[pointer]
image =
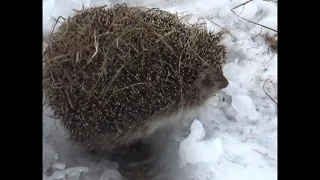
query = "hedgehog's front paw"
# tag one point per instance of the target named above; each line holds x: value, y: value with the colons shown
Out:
x: 138, y: 152
x: 133, y: 153
x: 138, y: 147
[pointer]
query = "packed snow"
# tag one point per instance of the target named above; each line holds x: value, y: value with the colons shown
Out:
x: 236, y: 136
x: 188, y: 149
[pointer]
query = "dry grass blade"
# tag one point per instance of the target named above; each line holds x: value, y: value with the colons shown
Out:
x: 272, y: 42
x: 96, y: 45
x: 225, y: 30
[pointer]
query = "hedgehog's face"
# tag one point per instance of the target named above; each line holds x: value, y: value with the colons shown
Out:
x: 213, y: 80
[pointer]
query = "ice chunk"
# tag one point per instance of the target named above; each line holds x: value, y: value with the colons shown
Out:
x: 56, y: 156
x: 243, y: 104
x: 73, y: 173
x: 58, y: 166
x: 230, y: 112
x: 193, y: 151
x: 197, y: 131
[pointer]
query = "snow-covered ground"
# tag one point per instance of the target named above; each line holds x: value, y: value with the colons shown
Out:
x: 236, y: 136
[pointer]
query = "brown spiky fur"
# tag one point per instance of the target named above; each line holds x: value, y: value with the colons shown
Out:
x: 123, y: 90
x: 204, y: 87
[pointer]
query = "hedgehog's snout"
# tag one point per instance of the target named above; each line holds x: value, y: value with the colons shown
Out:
x: 221, y: 79
x: 224, y: 83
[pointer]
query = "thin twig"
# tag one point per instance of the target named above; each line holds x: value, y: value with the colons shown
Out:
x: 253, y: 39
x: 249, y: 20
x: 266, y: 92
x: 263, y: 154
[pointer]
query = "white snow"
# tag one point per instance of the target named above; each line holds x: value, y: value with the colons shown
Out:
x: 243, y: 104
x: 70, y: 173
x: 58, y: 166
x: 189, y: 148
x: 237, y: 130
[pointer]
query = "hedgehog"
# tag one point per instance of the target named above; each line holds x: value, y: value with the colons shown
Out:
x: 115, y: 75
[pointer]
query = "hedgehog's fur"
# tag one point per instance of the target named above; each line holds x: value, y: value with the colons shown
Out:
x: 115, y: 75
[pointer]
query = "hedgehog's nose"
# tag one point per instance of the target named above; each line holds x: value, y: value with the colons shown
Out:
x: 224, y: 84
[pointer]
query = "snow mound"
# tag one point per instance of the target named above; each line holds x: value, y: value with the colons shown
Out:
x: 69, y: 173
x: 195, y: 150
